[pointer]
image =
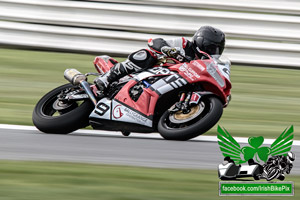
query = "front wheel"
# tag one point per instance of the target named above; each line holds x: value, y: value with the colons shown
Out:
x: 201, y: 118
x: 51, y: 115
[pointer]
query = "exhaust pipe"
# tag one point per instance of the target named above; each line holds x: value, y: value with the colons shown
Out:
x: 77, y: 78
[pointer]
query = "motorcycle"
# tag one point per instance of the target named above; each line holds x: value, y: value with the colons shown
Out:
x: 179, y: 98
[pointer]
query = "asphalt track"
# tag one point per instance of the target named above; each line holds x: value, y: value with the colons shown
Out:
x: 89, y: 146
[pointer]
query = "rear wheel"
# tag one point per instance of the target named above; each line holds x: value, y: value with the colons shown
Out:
x: 51, y: 115
x: 202, y: 117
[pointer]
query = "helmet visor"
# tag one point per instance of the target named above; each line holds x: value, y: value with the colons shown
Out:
x: 213, y: 49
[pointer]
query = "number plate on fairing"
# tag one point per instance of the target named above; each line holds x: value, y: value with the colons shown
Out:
x: 113, y: 110
x: 102, y: 110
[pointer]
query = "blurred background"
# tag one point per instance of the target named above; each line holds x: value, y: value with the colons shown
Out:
x: 40, y: 39
x: 259, y: 32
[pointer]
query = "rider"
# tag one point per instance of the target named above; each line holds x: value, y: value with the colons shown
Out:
x: 208, y: 39
x: 276, y: 166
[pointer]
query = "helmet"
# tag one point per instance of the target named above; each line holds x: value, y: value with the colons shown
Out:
x: 210, y: 40
x: 291, y: 156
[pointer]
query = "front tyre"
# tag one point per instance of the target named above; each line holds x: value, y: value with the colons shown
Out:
x: 52, y: 116
x: 202, y: 117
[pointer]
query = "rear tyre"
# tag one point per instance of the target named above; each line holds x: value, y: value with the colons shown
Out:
x: 52, y: 116
x: 211, y: 110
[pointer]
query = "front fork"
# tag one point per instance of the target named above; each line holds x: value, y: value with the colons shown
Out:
x: 183, y: 104
x: 187, y: 99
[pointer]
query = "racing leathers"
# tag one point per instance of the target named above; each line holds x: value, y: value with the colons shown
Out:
x: 146, y: 58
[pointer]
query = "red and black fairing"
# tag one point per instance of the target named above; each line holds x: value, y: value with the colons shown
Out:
x: 158, y: 85
x: 145, y: 104
x: 207, y: 74
x: 195, y: 72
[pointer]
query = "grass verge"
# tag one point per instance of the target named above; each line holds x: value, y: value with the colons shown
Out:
x: 265, y: 100
x: 48, y: 180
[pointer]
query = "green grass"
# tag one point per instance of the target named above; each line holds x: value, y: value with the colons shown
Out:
x: 27, y: 75
x: 48, y: 180
x: 265, y: 100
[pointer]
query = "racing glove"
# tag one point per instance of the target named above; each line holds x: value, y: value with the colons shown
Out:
x: 170, y: 51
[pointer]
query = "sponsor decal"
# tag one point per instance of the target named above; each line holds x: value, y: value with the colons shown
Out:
x: 135, y: 116
x: 198, y: 65
x: 117, y: 112
x: 189, y: 72
x: 195, y: 98
x: 257, y: 161
x: 159, y: 70
x: 120, y: 112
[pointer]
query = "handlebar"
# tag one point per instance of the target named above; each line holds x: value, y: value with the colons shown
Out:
x: 169, y: 52
x: 177, y: 56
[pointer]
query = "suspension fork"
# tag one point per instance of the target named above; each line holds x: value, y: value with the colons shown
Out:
x: 186, y: 104
x: 183, y: 103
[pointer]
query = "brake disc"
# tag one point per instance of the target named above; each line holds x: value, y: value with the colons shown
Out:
x: 179, y: 117
x: 59, y: 105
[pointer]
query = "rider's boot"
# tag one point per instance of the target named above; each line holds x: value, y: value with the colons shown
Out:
x: 136, y: 61
x: 118, y: 71
x: 102, y: 81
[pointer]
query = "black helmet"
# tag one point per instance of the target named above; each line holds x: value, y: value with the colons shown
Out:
x: 210, y: 40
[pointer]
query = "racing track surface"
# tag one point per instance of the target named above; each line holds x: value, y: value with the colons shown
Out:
x: 110, y: 149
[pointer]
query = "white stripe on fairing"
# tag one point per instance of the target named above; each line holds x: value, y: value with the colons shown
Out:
x: 178, y: 83
x: 174, y: 85
x: 203, y: 138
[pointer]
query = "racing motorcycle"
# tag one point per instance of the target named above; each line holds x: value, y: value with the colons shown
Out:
x: 179, y: 98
